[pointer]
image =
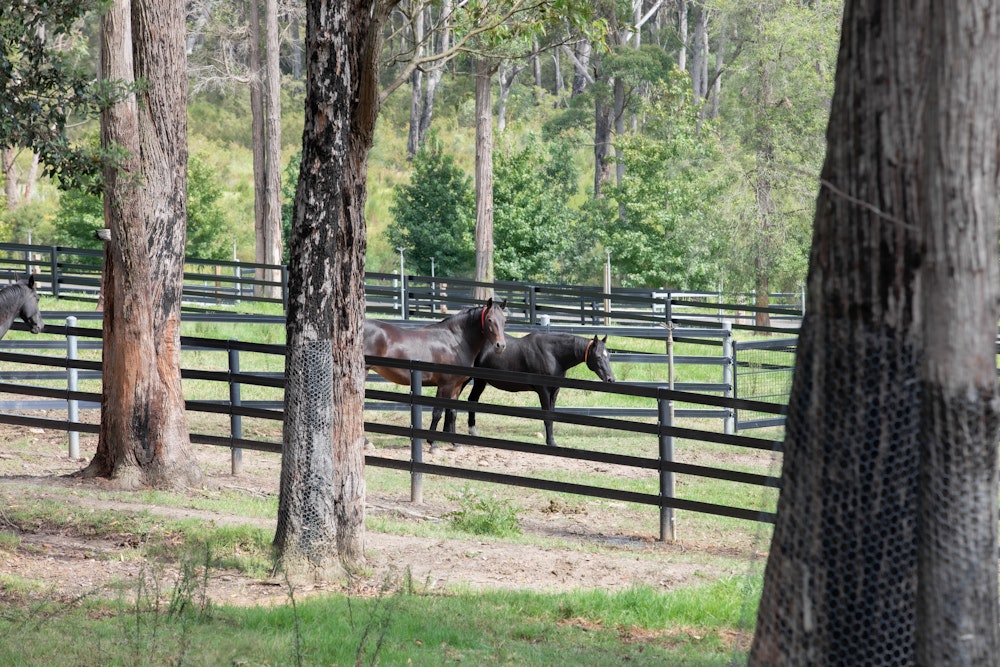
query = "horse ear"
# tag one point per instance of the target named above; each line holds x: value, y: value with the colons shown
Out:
x: 31, y: 280
x: 605, y: 339
x: 503, y: 304
x: 489, y: 303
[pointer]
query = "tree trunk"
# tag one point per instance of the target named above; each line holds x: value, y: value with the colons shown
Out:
x: 508, y: 75
x: 258, y: 131
x: 484, y: 179
x: 416, y: 87
x: 580, y: 64
x: 682, y: 33
x: 321, y: 504
x: 890, y: 454
x: 435, y: 73
x: 272, y: 149
x: 603, y: 122
x: 957, y: 620
x: 143, y: 439
x: 10, y: 178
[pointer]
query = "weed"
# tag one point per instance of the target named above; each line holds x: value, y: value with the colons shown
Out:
x: 485, y: 515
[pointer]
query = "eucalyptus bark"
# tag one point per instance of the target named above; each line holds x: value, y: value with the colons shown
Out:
x: 484, y: 178
x: 322, y: 494
x: 884, y: 551
x: 144, y: 439
x: 957, y: 621
x: 272, y: 148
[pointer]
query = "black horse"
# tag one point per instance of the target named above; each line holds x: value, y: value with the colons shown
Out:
x: 20, y: 300
x: 455, y: 340
x: 545, y: 354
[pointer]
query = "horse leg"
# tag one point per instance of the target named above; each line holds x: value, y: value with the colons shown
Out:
x: 547, y: 397
x: 435, y: 416
x: 478, y: 386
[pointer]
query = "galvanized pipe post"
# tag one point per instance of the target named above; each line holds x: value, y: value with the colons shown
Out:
x: 416, y: 442
x: 72, y: 377
x: 235, y: 420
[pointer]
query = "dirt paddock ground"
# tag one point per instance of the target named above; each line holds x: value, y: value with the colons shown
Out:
x: 569, y: 545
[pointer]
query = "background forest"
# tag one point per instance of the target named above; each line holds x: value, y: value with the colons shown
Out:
x: 680, y: 139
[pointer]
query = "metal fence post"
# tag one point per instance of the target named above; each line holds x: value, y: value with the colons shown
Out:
x: 416, y: 442
x: 72, y: 376
x: 668, y: 524
x: 235, y: 400
x: 284, y: 288
x: 727, y: 374
x: 53, y: 269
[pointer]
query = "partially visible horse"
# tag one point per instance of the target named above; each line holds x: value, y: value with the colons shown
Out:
x: 544, y: 354
x: 20, y: 300
x: 455, y: 340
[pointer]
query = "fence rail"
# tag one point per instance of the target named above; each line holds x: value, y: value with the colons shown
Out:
x: 661, y: 429
x: 75, y: 274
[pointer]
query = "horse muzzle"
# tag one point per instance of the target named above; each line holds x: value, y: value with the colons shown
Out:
x: 500, y: 346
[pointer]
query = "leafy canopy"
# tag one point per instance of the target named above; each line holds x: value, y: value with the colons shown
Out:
x: 434, y: 214
x: 43, y: 85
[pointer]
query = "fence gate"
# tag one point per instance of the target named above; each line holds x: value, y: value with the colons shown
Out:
x: 764, y: 371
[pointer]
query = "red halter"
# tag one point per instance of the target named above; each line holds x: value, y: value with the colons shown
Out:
x: 586, y: 352
x: 482, y: 319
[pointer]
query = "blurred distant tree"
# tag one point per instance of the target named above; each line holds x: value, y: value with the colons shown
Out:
x: 532, y: 216
x: 433, y: 214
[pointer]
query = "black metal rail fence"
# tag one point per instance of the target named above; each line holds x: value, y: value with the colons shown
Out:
x: 74, y: 273
x: 50, y: 381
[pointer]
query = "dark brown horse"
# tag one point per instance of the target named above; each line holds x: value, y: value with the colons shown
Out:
x: 455, y: 340
x: 20, y: 300
x: 544, y: 354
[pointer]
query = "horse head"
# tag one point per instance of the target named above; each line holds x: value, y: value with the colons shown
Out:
x: 29, y: 311
x: 598, y: 360
x: 491, y: 322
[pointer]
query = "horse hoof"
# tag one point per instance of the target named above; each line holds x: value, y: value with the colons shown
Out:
x: 473, y: 432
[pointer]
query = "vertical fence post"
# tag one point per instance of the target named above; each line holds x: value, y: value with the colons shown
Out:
x: 416, y: 442
x: 728, y: 367
x: 235, y: 400
x: 532, y: 303
x: 72, y: 376
x: 284, y: 288
x: 668, y: 525
x: 53, y: 270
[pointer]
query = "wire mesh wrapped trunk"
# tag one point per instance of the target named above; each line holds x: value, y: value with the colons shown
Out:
x: 321, y: 503
x: 144, y: 437
x: 888, y: 419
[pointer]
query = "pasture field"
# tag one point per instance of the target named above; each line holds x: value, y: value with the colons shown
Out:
x: 184, y: 578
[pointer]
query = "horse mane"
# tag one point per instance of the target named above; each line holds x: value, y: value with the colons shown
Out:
x: 12, y: 295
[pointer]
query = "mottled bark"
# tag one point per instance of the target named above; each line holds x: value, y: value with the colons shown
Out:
x: 885, y: 546
x: 144, y: 439
x: 484, y: 178
x: 957, y: 621
x: 321, y: 504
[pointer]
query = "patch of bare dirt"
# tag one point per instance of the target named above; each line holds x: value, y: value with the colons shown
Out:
x: 593, y: 551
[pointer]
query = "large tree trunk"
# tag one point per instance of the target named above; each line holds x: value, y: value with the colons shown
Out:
x: 321, y: 503
x: 258, y: 146
x: 957, y: 621
x: 484, y: 178
x: 895, y: 365
x: 143, y: 438
x: 413, y: 142
x: 272, y: 149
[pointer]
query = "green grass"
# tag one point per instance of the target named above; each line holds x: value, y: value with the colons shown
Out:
x: 400, y: 625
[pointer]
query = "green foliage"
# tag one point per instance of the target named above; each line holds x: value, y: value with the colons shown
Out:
x: 289, y: 183
x: 531, y: 220
x: 659, y: 221
x: 434, y: 214
x: 44, y: 82
x: 208, y: 233
x: 81, y: 213
x: 481, y: 515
